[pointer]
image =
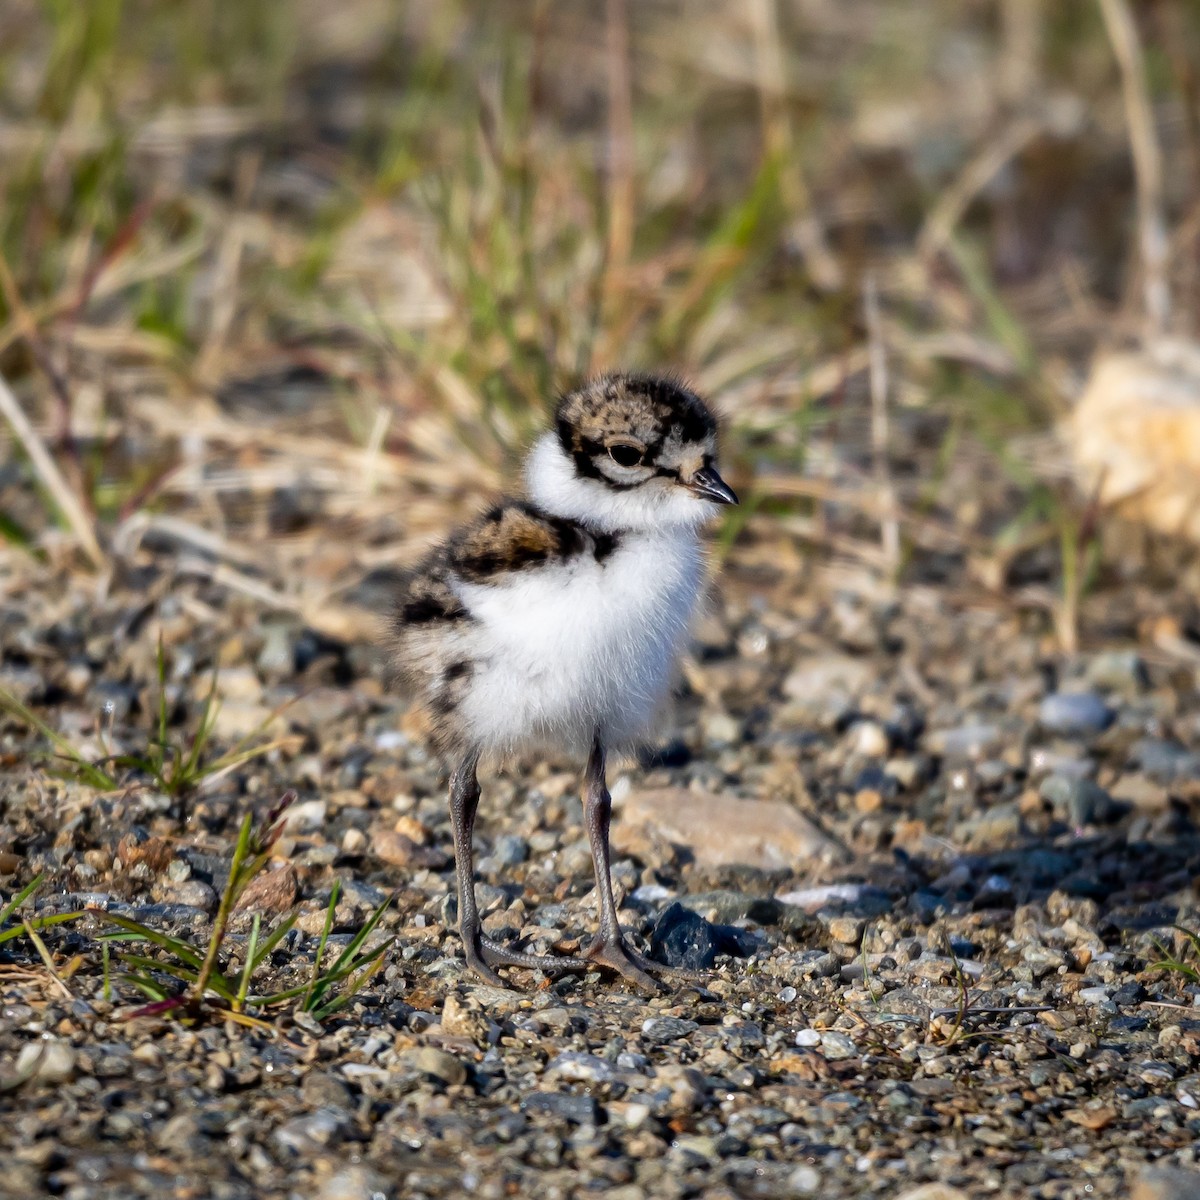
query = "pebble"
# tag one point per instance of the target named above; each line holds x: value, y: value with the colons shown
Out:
x: 354, y: 1183
x: 47, y: 1061
x: 1079, y: 801
x: 803, y: 1181
x: 837, y: 1045
x: 305, y: 817
x: 510, y: 850
x: 1166, y: 1183
x: 1075, y: 713
x: 579, y: 1067
x: 683, y: 938
x: 436, y: 1063
x: 1093, y: 995
x: 667, y: 1029
x: 312, y: 1133
x: 847, y: 930
x: 964, y: 741
x: 808, y: 1037
x: 579, y: 1110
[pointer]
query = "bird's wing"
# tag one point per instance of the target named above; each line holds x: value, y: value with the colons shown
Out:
x: 514, y: 537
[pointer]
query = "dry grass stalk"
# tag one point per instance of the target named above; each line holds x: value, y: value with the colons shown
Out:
x: 52, y: 478
x: 889, y: 525
x: 1147, y: 164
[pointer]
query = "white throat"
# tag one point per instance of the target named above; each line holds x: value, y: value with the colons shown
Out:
x: 553, y: 485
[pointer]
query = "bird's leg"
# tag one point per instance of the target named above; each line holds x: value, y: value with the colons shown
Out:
x: 608, y: 948
x: 481, y: 953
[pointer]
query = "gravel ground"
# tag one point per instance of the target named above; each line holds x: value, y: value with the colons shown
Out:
x: 954, y: 983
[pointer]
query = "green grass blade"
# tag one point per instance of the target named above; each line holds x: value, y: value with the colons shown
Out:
x: 248, y: 966
x: 273, y: 939
x: 316, y: 967
x: 37, y: 923
x: 20, y: 898
x: 361, y: 936
x: 182, y: 950
x: 144, y: 985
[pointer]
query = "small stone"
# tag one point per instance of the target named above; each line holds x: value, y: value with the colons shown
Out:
x: 1164, y: 761
x: 354, y: 841
x: 1117, y: 671
x: 1166, y: 1183
x: 306, y: 817
x: 312, y: 1133
x: 964, y: 741
x: 825, y: 686
x: 9, y: 862
x: 682, y: 938
x: 1075, y: 713
x: 355, y: 1183
x: 934, y: 1191
x: 510, y: 850
x: 1079, y: 801
x: 837, y: 1045
x: 808, y: 1037
x: 401, y: 851
x: 667, y: 1029
x: 1141, y: 793
x: 154, y: 852
x: 235, y: 720
x: 579, y: 1110
x: 195, y: 893
x: 847, y: 930
x: 47, y: 1061
x: 579, y: 1067
x: 870, y: 739
x: 437, y: 1063
x: 1093, y: 995
x: 721, y: 830
x: 322, y: 1090
x: 803, y: 1181
x: 270, y: 891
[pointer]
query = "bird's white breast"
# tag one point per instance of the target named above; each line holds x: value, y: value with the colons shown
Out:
x: 564, y: 650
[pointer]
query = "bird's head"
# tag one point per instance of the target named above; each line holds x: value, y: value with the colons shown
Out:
x: 630, y: 452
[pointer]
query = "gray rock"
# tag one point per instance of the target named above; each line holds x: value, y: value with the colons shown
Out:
x: 48, y: 1061
x: 1166, y: 1183
x: 355, y: 1183
x: 510, y: 850
x: 1079, y: 801
x: 1164, y: 761
x: 310, y: 1134
x: 838, y: 1045
x: 1075, y: 713
x: 667, y: 1029
x: 579, y: 1110
x: 965, y: 741
x: 579, y: 1067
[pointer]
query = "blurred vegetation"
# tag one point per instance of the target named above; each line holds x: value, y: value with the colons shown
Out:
x: 281, y: 268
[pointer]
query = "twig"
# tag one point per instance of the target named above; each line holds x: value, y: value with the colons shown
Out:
x: 1147, y: 163
x: 52, y: 478
x: 889, y: 525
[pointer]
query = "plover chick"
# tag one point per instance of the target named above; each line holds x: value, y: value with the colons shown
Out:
x: 558, y: 618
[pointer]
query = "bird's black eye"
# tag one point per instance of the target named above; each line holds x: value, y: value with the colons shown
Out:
x: 625, y: 454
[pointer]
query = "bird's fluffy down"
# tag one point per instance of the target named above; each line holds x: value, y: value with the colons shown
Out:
x: 560, y: 617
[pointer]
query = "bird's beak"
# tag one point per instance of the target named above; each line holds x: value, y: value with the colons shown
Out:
x: 708, y: 485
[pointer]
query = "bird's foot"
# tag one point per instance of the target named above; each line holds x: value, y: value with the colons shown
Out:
x: 486, y: 955
x: 616, y: 954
